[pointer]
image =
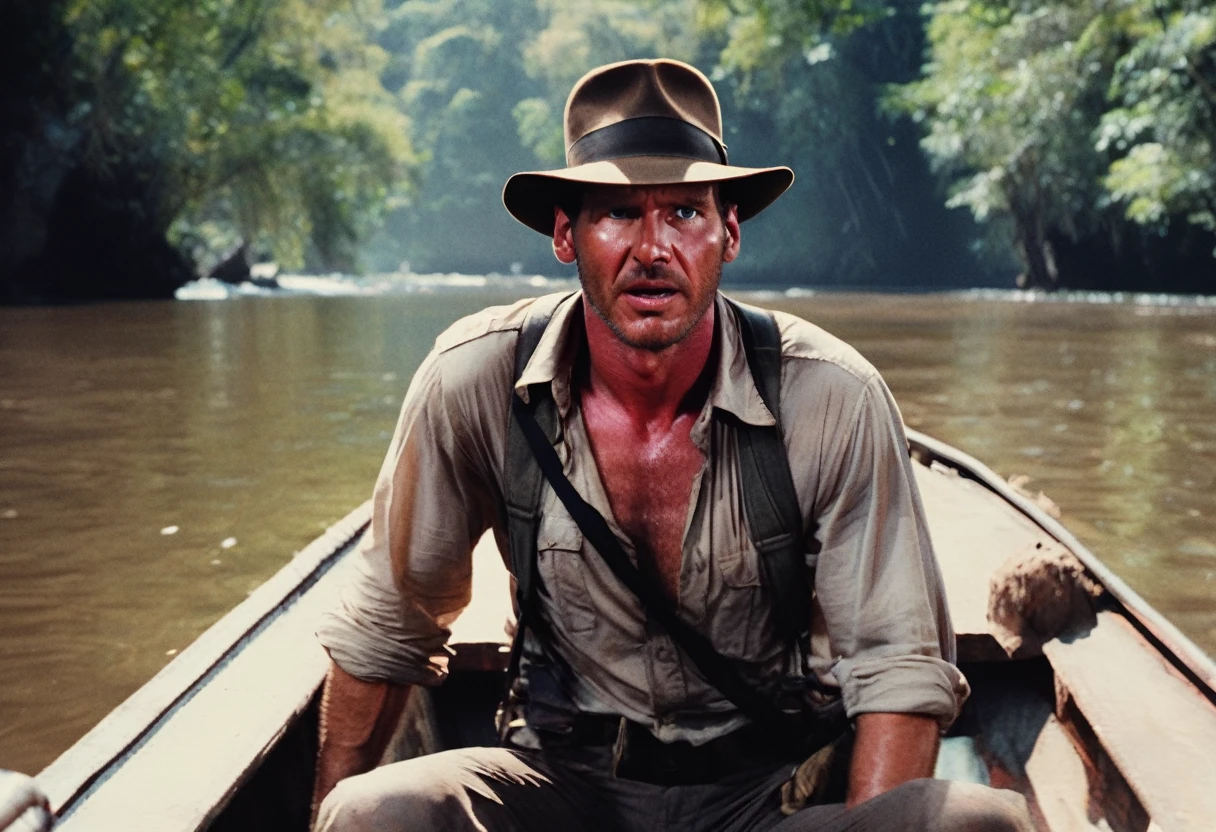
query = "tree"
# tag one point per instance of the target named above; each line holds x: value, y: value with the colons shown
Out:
x: 577, y: 40
x: 1163, y: 124
x: 804, y: 79
x: 1010, y: 98
x: 484, y: 84
x: 456, y: 67
x: 1080, y: 129
x: 204, y: 122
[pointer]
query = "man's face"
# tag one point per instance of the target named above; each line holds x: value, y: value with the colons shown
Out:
x: 649, y: 257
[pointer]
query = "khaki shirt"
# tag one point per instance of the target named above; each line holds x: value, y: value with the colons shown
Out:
x: 881, y: 629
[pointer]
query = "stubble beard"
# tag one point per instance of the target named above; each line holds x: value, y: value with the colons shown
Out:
x: 656, y: 343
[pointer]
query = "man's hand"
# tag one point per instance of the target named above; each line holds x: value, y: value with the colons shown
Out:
x: 890, y: 749
x: 357, y: 721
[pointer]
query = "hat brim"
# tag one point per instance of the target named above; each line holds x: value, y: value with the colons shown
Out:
x: 530, y: 196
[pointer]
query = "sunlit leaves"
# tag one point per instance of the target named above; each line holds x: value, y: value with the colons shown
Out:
x: 456, y: 69
x: 764, y: 32
x: 578, y: 38
x: 1009, y: 96
x: 1050, y: 113
x: 261, y: 120
x: 540, y: 130
x: 1164, y: 118
x: 781, y: 57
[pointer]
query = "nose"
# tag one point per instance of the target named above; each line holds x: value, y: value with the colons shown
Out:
x: 653, y: 245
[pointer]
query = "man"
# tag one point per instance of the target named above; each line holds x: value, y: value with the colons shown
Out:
x: 653, y: 391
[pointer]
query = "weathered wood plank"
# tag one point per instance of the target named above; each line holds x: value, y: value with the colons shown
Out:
x: 1060, y: 782
x: 1156, y: 726
x: 973, y: 533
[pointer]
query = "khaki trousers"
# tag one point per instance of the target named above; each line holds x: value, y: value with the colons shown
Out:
x: 573, y: 790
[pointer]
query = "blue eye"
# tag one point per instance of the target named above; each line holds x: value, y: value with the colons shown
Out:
x: 617, y: 213
x: 686, y: 213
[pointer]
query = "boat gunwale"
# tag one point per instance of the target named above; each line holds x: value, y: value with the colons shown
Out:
x: 84, y: 766
x: 1171, y: 642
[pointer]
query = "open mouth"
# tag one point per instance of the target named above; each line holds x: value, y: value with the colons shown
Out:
x: 655, y: 292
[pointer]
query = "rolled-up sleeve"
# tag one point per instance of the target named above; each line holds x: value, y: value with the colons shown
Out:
x: 412, y: 570
x: 878, y: 583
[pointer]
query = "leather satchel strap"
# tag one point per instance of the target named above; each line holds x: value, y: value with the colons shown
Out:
x: 716, y: 669
x: 523, y: 481
x: 770, y: 502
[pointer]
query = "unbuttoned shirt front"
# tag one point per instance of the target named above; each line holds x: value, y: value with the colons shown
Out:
x: 880, y: 625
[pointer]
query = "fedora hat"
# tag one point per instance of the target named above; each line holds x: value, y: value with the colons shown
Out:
x: 642, y: 123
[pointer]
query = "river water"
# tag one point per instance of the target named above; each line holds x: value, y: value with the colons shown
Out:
x: 159, y: 460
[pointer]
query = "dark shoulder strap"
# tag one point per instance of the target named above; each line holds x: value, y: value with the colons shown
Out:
x: 770, y: 502
x: 522, y: 479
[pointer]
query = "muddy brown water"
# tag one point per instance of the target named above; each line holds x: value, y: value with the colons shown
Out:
x: 158, y: 461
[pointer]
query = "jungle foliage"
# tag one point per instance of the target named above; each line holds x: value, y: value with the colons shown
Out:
x: 162, y: 132
x: 140, y: 139
x: 484, y: 85
x: 1082, y: 130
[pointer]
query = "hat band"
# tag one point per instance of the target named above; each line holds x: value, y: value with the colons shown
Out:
x: 646, y: 136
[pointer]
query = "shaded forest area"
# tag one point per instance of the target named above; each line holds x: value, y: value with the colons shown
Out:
x: 959, y: 143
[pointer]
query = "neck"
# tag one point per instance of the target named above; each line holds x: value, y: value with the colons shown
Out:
x: 651, y: 386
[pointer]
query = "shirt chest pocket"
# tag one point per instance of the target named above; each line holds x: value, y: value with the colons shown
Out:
x: 738, y: 615
x: 559, y: 561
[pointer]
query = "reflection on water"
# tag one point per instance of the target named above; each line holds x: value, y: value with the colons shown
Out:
x: 158, y: 461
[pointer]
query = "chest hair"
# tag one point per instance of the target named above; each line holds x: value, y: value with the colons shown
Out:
x: 648, y: 476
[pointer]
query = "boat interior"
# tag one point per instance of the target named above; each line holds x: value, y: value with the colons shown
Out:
x: 1107, y: 722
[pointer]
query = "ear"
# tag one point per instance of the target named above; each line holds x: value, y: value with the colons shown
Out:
x: 731, y: 223
x: 563, y: 236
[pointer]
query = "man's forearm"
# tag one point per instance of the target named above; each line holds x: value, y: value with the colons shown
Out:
x: 357, y: 722
x: 891, y: 749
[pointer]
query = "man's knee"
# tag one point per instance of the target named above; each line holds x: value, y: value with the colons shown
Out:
x: 968, y: 807
x: 372, y: 803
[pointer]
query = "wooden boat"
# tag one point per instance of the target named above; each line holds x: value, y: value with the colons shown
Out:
x: 1110, y: 729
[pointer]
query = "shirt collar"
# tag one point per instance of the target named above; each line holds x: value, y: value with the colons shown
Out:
x: 553, y: 360
x: 734, y: 389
